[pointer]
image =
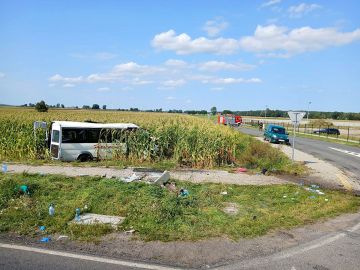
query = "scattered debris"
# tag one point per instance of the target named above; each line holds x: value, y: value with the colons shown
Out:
x: 62, y: 237
x: 184, y: 192
x: 285, y: 196
x: 241, y: 170
x: 314, y: 189
x: 312, y: 197
x: 130, y: 231
x: 148, y: 177
x: 231, y: 209
x: 4, y: 168
x: 77, y: 214
x: 171, y: 187
x: 51, y: 210
x: 224, y: 193
x: 42, y: 228
x: 326, y: 200
x: 131, y: 178
x: 264, y: 171
x: 88, y: 219
x: 24, y: 189
x: 45, y: 239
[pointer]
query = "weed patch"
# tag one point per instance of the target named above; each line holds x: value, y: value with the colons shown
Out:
x: 156, y: 213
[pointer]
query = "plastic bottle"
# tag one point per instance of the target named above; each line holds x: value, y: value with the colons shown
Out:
x: 4, y: 168
x: 77, y: 214
x: 51, y: 210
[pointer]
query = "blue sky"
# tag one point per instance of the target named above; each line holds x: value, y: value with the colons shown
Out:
x: 237, y: 55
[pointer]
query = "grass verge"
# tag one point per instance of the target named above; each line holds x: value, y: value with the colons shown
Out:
x: 158, y: 214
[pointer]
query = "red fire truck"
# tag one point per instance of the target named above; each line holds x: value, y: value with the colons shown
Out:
x: 229, y: 119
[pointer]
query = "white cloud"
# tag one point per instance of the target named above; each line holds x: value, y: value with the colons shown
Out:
x: 103, y: 89
x: 232, y: 80
x: 280, y: 41
x: 2, y: 75
x: 173, y: 83
x: 214, y: 27
x: 183, y: 44
x: 302, y: 9
x: 188, y: 101
x: 219, y: 65
x: 170, y: 98
x: 68, y: 85
x: 271, y: 3
x: 138, y: 81
x: 175, y: 63
x: 59, y: 78
x: 134, y: 68
x: 105, y: 56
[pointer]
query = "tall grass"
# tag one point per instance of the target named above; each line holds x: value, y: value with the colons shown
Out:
x: 186, y: 140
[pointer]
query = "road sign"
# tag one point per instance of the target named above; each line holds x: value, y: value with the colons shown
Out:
x: 296, y: 117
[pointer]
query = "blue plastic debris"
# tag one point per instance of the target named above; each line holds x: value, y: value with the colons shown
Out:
x: 42, y: 228
x: 45, y: 239
x: 4, y: 168
x: 184, y: 192
x: 24, y: 189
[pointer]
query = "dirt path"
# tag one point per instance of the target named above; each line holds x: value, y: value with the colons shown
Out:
x: 195, y: 176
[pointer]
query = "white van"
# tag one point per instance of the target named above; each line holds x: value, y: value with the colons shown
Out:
x: 81, y: 141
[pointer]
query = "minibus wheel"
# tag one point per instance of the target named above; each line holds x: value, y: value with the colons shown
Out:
x: 84, y: 157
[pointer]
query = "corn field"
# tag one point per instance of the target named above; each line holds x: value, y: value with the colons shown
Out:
x: 187, y: 140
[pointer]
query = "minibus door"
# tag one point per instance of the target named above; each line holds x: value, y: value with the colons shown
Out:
x: 55, y: 147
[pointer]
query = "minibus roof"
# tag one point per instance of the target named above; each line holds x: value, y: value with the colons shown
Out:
x: 70, y: 124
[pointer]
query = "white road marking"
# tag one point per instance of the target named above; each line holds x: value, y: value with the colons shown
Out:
x: 88, y: 258
x: 346, y: 152
x: 317, y: 243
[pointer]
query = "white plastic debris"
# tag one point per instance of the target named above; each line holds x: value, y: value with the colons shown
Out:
x: 88, y: 219
x: 224, y: 193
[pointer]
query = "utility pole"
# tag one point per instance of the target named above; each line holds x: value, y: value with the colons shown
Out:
x: 307, y: 115
x: 265, y: 110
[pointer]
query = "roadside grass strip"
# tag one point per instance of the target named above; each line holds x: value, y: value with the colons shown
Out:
x: 157, y: 213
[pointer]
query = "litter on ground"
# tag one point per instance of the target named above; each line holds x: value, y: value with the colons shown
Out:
x: 89, y: 219
x: 241, y: 170
x: 231, y: 209
x: 148, y: 177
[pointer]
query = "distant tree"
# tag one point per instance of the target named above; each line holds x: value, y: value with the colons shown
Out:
x: 58, y: 105
x: 41, y: 106
x: 95, y: 107
x: 227, y: 112
x: 31, y: 105
x: 213, y: 110
x: 134, y: 109
x: 62, y: 106
x: 86, y: 107
x: 104, y: 107
x: 76, y: 107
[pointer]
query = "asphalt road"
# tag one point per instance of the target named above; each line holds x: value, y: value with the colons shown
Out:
x: 338, y: 250
x: 32, y: 259
x: 342, y: 156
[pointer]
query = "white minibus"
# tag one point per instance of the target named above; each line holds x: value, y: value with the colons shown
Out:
x: 84, y: 141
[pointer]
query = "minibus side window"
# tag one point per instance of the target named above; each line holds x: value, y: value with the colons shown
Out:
x: 55, y: 136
